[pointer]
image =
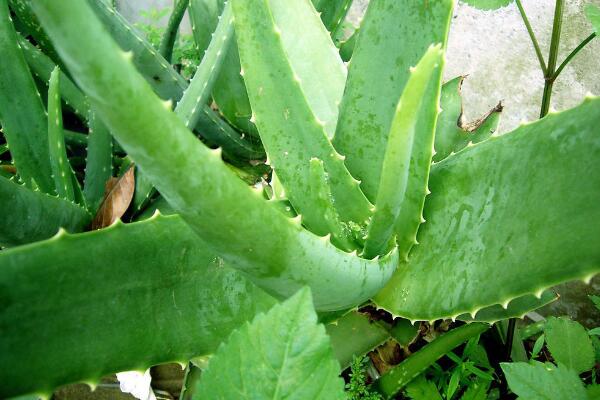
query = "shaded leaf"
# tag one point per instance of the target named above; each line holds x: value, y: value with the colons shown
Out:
x: 117, y: 197
x: 543, y: 381
x: 569, y: 344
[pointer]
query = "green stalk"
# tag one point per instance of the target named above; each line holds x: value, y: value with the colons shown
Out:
x: 573, y: 54
x: 536, y: 45
x: 555, y: 41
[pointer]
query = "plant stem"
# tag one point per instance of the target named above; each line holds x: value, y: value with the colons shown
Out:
x: 549, y: 75
x: 536, y: 45
x: 510, y: 334
x: 573, y: 54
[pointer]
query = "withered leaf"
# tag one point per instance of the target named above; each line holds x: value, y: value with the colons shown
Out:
x: 118, y: 193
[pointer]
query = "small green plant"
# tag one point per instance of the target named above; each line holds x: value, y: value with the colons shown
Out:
x: 357, y: 388
x: 348, y: 203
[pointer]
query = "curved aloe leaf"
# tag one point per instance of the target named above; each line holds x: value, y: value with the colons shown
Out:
x: 452, y: 133
x: 394, y: 380
x: 394, y: 36
x: 283, y: 354
x: 505, y: 219
x: 30, y: 215
x: 290, y: 258
x: 516, y: 308
x: 22, y: 113
x: 285, y: 115
x: 407, y: 160
x: 98, y: 166
x: 77, y: 307
x: 333, y: 13
x: 168, y: 40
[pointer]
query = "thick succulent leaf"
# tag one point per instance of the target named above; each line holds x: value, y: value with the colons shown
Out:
x: 394, y: 35
x: 77, y: 307
x: 280, y: 88
x: 508, y: 217
x: 168, y: 40
x: 543, y: 381
x: 28, y: 215
x: 569, y: 344
x: 195, y: 97
x: 396, y: 378
x: 347, y: 47
x: 42, y: 66
x: 407, y: 160
x: 22, y: 113
x: 169, y: 85
x: 452, y: 133
x: 229, y: 92
x: 487, y: 4
x: 333, y: 13
x: 283, y: 354
x: 231, y: 217
x: 61, y: 169
x: 354, y: 335
x: 98, y: 163
x: 593, y: 14
x: 517, y: 308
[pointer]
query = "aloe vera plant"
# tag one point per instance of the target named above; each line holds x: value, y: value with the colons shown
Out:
x: 358, y: 206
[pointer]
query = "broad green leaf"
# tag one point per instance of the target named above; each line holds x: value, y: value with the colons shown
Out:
x: 495, y: 211
x: 404, y: 332
x: 291, y: 105
x: 452, y: 132
x: 78, y: 307
x: 30, y: 215
x: 168, y: 40
x: 477, y: 390
x: 399, y: 376
x: 593, y: 14
x: 537, y: 346
x: 22, y: 114
x: 422, y: 389
x: 543, y: 381
x: 394, y: 35
x: 212, y: 200
x: 488, y: 4
x: 595, y: 300
x: 283, y: 354
x: 593, y: 392
x: 569, y: 344
x: 407, y: 160
x: 354, y: 335
x: 517, y: 308
x: 61, y: 169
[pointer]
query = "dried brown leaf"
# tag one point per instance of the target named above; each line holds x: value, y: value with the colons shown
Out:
x: 118, y: 193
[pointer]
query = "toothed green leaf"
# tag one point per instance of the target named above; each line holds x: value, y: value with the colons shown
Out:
x: 394, y: 35
x: 569, y: 344
x: 488, y: 4
x: 283, y: 354
x: 30, y: 215
x: 513, y: 208
x: 168, y: 40
x: 98, y: 168
x: 121, y: 298
x: 290, y: 259
x: 407, y: 160
x: 593, y: 14
x: 280, y: 90
x: 422, y: 389
x: 543, y: 381
x: 516, y: 308
x: 452, y: 133
x: 61, y: 169
x: 22, y: 113
x: 395, y: 379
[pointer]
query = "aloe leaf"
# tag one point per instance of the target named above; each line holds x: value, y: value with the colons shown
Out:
x: 283, y: 354
x: 333, y: 13
x: 98, y: 168
x: 347, y: 47
x: 394, y: 36
x: 395, y: 379
x: 22, y: 113
x: 289, y: 129
x: 61, y: 169
x: 111, y: 300
x: 407, y: 160
x: 195, y: 97
x: 30, y: 215
x: 452, y: 133
x: 569, y: 344
x: 516, y: 308
x: 197, y: 183
x: 495, y: 211
x: 168, y: 40
x: 354, y: 335
x: 42, y: 66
